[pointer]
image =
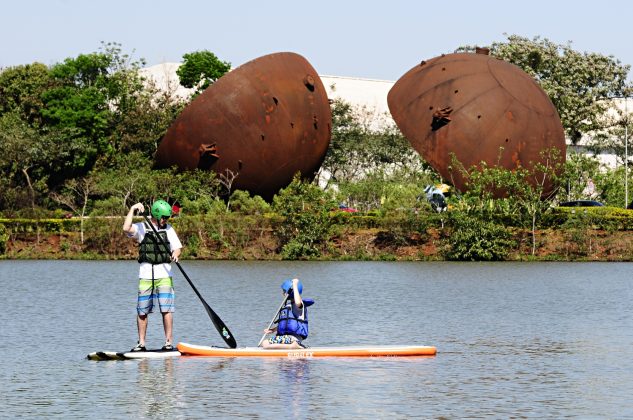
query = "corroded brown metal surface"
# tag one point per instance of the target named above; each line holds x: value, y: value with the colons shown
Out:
x: 264, y: 121
x: 472, y: 105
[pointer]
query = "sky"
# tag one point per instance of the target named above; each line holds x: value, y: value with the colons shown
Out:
x: 367, y: 39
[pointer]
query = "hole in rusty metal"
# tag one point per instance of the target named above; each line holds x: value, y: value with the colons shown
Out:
x: 239, y: 164
x: 478, y: 116
x: 315, y: 122
x: 308, y: 81
x: 441, y: 118
x: 263, y: 137
x: 430, y: 108
x: 208, y: 155
x: 443, y: 68
x: 507, y: 140
x: 292, y: 125
x: 422, y: 63
x: 276, y: 101
x: 456, y: 90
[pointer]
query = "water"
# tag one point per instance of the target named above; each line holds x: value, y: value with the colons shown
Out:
x: 537, y: 340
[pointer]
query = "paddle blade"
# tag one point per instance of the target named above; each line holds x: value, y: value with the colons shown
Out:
x: 224, y: 331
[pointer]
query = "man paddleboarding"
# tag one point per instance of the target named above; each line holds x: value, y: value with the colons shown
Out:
x: 155, y: 276
x: 291, y: 319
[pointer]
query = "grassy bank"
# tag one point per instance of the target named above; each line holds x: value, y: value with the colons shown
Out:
x: 349, y: 237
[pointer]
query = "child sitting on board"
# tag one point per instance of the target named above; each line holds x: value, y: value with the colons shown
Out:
x: 291, y: 320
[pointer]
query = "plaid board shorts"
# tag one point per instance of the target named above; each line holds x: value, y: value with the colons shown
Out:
x: 283, y: 339
x: 162, y: 290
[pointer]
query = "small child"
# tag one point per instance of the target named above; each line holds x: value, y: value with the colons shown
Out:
x: 292, y: 319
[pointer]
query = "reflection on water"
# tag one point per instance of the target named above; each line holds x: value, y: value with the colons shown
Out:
x: 294, y: 374
x: 157, y: 394
x: 514, y: 340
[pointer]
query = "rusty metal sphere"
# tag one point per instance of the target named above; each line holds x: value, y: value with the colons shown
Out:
x: 479, y: 108
x: 263, y: 121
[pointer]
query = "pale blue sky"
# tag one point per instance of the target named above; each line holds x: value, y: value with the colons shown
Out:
x: 370, y: 39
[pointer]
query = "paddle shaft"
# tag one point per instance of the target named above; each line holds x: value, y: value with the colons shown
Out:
x: 217, y: 322
x: 273, y: 320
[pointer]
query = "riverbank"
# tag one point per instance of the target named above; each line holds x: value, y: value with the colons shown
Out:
x: 345, y: 244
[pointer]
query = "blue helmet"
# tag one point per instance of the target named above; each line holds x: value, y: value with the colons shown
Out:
x: 287, y: 285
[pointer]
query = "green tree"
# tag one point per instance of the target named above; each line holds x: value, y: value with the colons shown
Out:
x: 610, y: 186
x: 304, y: 208
x: 534, y: 192
x: 579, y: 172
x: 29, y: 158
x: 141, y: 111
x: 389, y: 191
x: 362, y: 142
x: 76, y: 196
x: 21, y: 90
x: 577, y: 83
x: 127, y: 181
x: 80, y: 99
x: 144, y: 120
x: 616, y: 138
x: 20, y: 148
x: 91, y: 95
x: 346, y: 141
x: 200, y: 69
x: 518, y: 197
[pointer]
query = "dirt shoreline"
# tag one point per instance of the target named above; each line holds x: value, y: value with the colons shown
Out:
x: 349, y: 245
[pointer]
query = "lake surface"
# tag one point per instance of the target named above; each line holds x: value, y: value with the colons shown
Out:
x: 539, y: 340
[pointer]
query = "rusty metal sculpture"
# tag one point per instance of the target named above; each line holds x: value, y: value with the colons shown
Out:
x: 260, y: 123
x: 478, y: 108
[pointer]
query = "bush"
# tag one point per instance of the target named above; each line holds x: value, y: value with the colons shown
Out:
x: 241, y: 202
x: 577, y: 232
x: 42, y: 225
x: 306, y: 221
x: 104, y: 235
x: 607, y: 218
x: 401, y: 229
x: 473, y: 239
x: 4, y: 238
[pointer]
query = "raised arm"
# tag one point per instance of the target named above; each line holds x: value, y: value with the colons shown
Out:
x: 128, y: 227
x: 296, y: 295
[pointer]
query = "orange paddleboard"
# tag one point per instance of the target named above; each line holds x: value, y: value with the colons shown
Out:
x: 360, y: 351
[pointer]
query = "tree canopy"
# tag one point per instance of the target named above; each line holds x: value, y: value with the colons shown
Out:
x: 577, y: 82
x: 61, y: 122
x: 200, y: 69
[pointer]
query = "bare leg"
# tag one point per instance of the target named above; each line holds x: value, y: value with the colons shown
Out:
x: 141, y: 323
x: 168, y: 323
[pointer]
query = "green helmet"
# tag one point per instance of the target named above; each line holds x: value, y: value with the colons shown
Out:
x: 161, y: 208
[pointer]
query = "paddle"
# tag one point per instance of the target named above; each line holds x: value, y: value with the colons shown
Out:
x: 219, y: 325
x: 273, y: 320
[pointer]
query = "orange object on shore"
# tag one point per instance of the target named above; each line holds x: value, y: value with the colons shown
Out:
x: 360, y: 351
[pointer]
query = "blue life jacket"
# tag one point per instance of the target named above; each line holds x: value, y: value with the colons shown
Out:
x: 289, y: 324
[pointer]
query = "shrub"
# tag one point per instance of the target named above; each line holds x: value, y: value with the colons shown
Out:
x: 104, y: 235
x: 304, y: 208
x: 4, y: 238
x: 473, y: 239
x: 241, y: 202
